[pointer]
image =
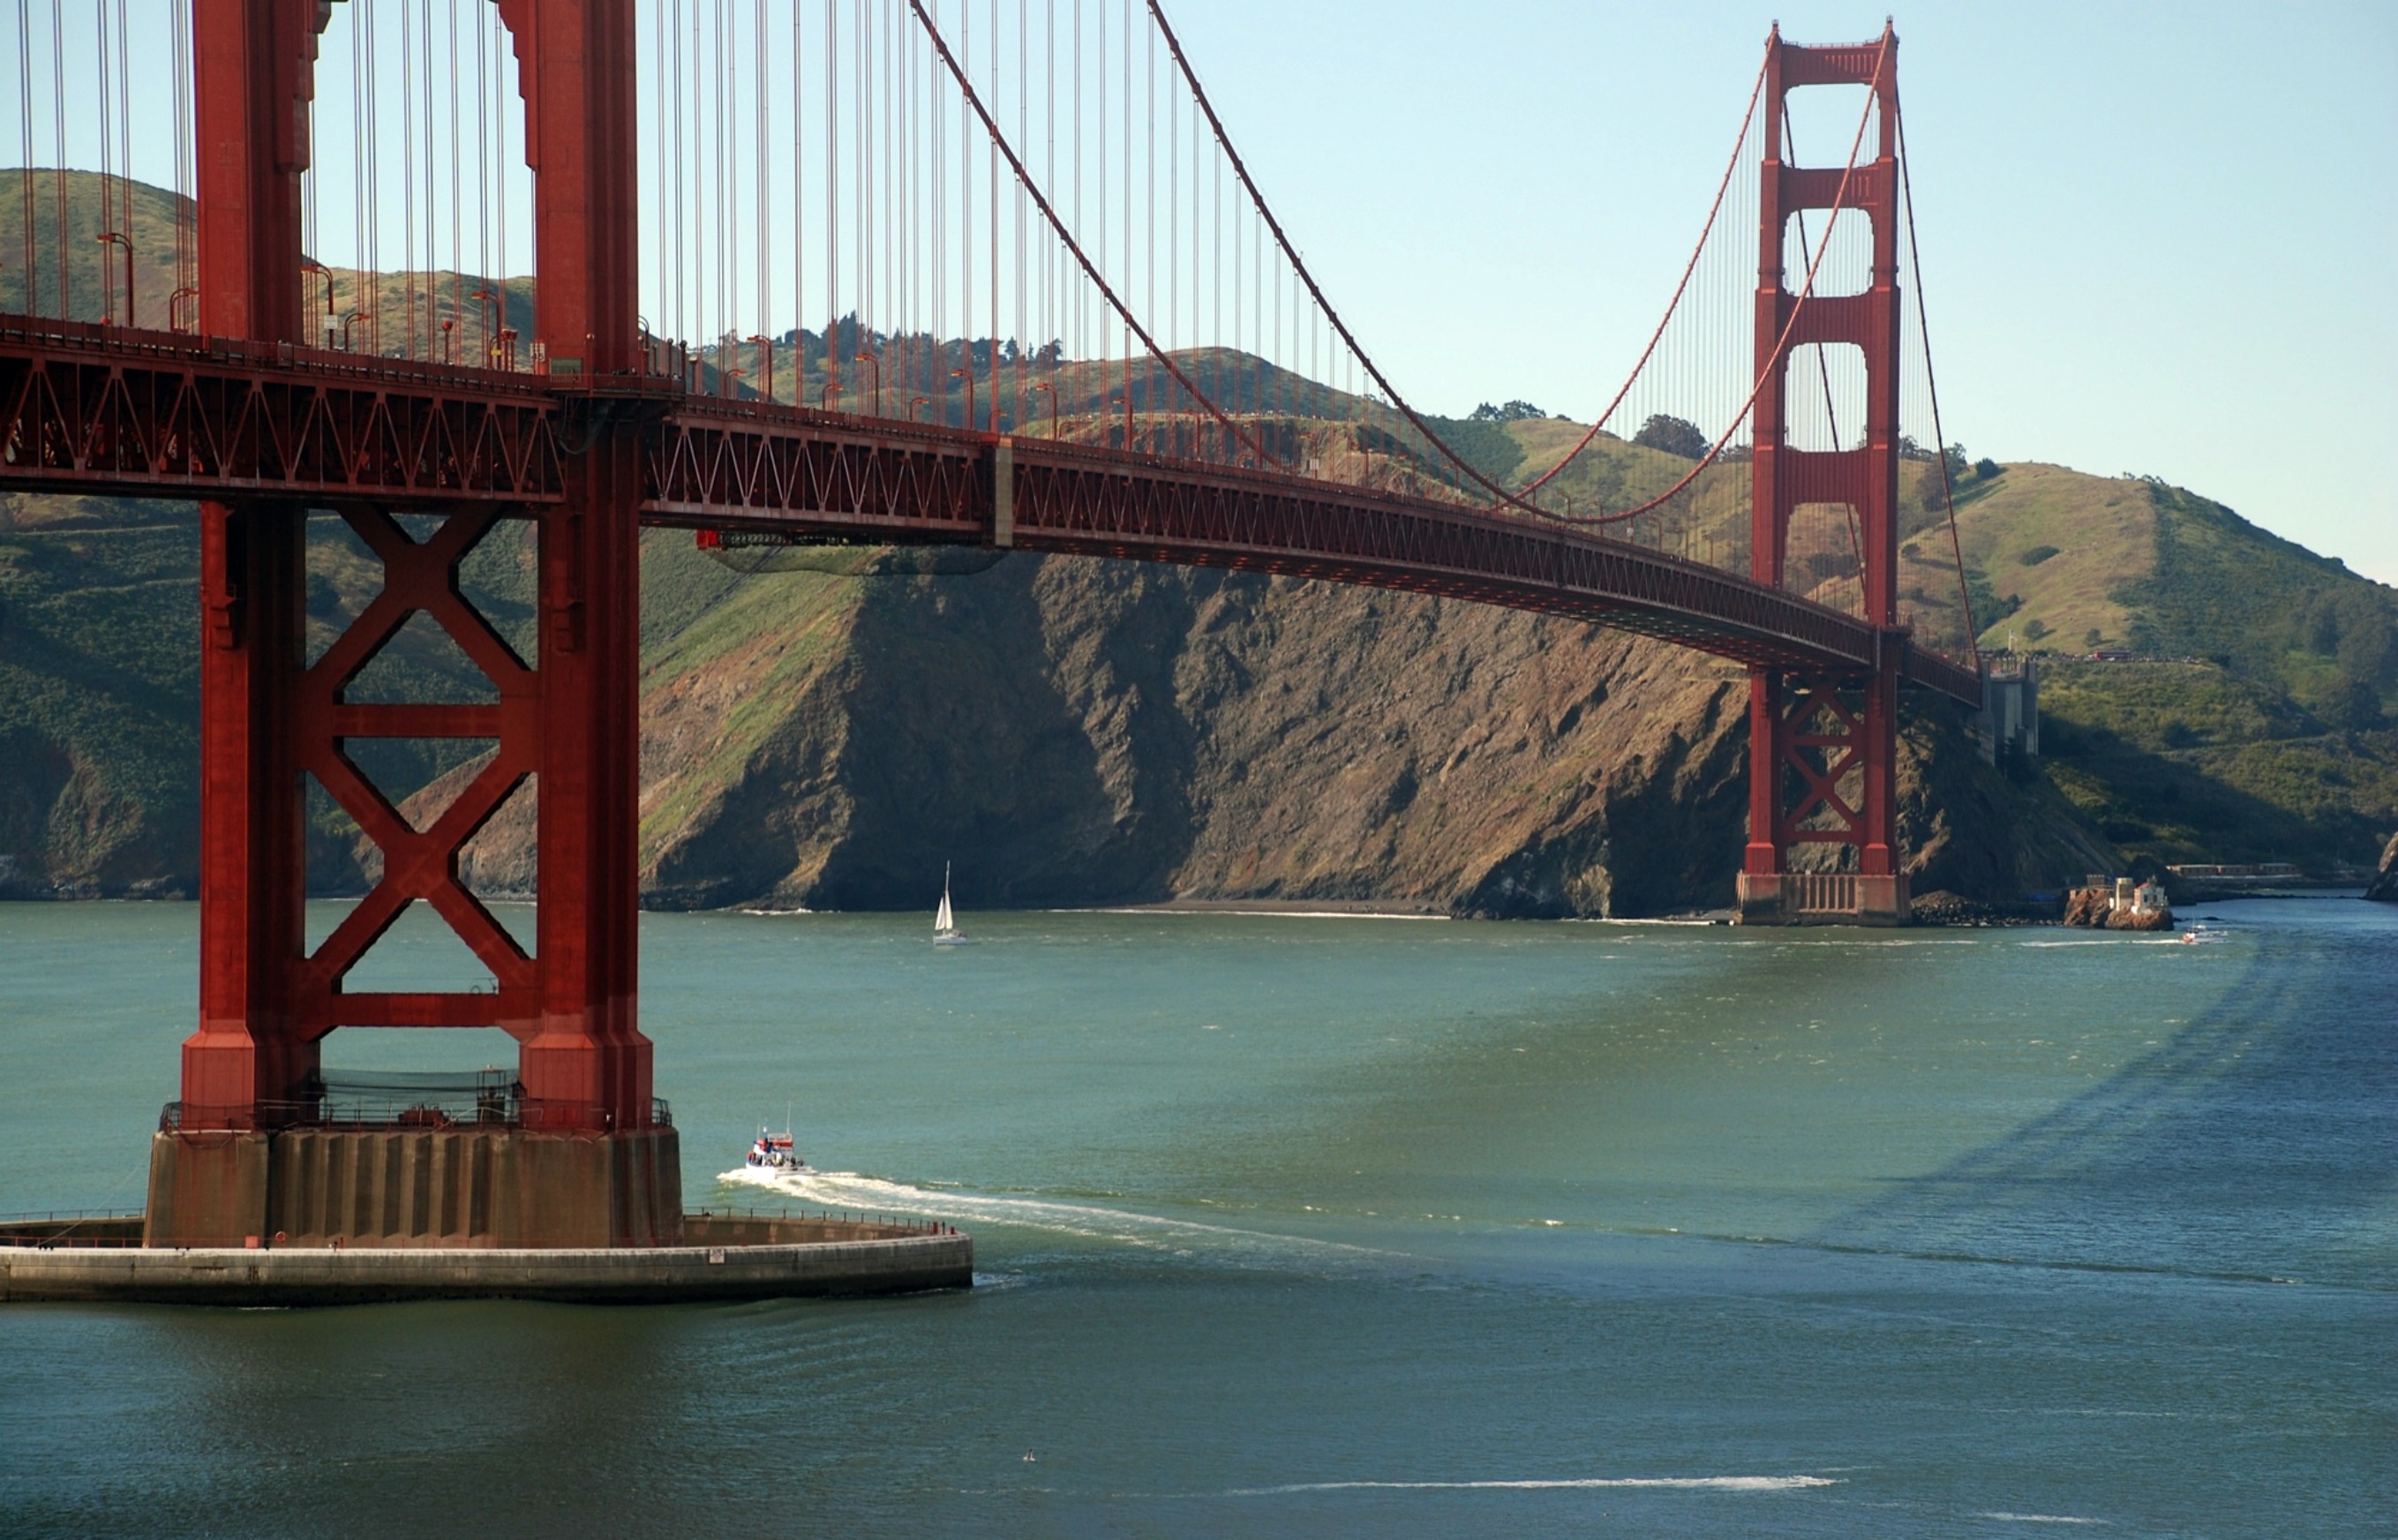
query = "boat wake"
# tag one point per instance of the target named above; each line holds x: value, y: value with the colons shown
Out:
x: 1586, y: 1483
x: 1159, y: 1233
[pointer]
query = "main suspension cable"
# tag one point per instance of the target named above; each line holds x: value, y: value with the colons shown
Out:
x: 1290, y: 253
x: 1782, y: 343
x: 991, y: 126
x: 1931, y: 385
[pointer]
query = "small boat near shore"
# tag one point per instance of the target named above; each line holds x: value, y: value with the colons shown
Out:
x: 775, y: 1152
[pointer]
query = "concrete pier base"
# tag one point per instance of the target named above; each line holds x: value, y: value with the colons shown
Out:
x: 1823, y: 898
x: 463, y: 1185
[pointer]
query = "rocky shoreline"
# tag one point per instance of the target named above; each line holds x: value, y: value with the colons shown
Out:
x: 2384, y: 888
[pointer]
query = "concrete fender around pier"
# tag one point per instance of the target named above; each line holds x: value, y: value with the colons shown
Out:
x: 365, y: 1274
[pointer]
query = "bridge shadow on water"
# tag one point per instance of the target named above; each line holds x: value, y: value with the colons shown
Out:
x: 2255, y: 1144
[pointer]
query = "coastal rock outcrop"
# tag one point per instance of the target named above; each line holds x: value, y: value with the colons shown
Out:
x: 2384, y: 888
x: 1072, y: 731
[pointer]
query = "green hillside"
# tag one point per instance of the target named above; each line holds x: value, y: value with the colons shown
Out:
x: 2253, y: 720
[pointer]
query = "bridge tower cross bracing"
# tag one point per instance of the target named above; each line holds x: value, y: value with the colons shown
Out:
x: 590, y: 1159
x: 1824, y: 746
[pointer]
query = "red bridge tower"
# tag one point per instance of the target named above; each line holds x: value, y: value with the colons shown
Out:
x: 1822, y: 821
x: 581, y: 1155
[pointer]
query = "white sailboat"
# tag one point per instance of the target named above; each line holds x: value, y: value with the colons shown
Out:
x: 944, y: 924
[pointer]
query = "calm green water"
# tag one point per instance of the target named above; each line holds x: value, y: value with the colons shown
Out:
x: 1339, y: 1226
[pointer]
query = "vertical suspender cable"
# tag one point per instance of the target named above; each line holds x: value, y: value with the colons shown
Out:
x: 107, y: 134
x: 800, y: 219
x: 180, y: 23
x: 484, y: 174
x: 458, y: 206
x: 408, y: 179
x: 994, y: 225
x: 500, y: 275
x: 370, y: 205
x: 25, y: 123
x: 432, y: 205
x: 59, y: 176
x: 760, y: 213
x: 833, y: 200
x: 1129, y: 270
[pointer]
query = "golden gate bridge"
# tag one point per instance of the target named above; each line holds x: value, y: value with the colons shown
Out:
x: 794, y: 273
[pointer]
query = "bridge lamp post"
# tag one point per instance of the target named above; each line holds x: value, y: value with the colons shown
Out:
x: 915, y: 401
x: 967, y: 375
x: 766, y: 352
x: 491, y: 347
x: 175, y: 309
x: 449, y: 339
x: 330, y: 326
x: 118, y: 237
x: 1127, y: 399
x: 348, y: 321
x: 1053, y: 408
x: 873, y: 360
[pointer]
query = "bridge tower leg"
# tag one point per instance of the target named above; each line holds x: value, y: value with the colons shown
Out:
x: 1823, y: 841
x: 584, y: 1154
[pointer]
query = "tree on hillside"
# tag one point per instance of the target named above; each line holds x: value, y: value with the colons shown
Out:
x: 1674, y: 436
x: 1514, y: 411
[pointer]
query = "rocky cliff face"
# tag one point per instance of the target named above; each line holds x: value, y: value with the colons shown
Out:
x: 2385, y: 884
x: 1073, y: 732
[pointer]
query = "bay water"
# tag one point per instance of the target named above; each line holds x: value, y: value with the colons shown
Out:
x: 1315, y: 1226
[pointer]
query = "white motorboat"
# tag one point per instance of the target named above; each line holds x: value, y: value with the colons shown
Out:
x: 775, y: 1151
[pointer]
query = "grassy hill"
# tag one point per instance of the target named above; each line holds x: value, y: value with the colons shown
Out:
x: 2255, y: 724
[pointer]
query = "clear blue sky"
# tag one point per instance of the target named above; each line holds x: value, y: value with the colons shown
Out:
x: 2157, y: 238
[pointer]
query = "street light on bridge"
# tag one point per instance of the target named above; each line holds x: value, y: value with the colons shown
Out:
x: 766, y: 347
x: 874, y: 361
x: 967, y: 375
x: 118, y: 237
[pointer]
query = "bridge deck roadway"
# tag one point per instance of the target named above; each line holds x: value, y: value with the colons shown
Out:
x: 111, y: 412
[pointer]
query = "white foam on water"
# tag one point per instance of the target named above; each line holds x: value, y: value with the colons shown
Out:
x: 1578, y: 1484
x: 1261, y: 914
x: 2004, y: 1518
x: 1090, y: 1222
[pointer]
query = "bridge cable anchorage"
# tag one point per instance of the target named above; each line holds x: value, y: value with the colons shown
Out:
x: 1806, y: 291
x: 1041, y: 201
x: 1300, y: 270
x: 1740, y: 143
x: 1931, y: 384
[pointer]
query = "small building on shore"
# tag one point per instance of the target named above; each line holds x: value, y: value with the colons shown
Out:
x: 2119, y: 903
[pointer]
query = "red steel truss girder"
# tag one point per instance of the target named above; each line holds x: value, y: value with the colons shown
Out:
x: 706, y: 461
x: 99, y: 411
x: 759, y: 468
x: 103, y: 410
x: 1097, y: 504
